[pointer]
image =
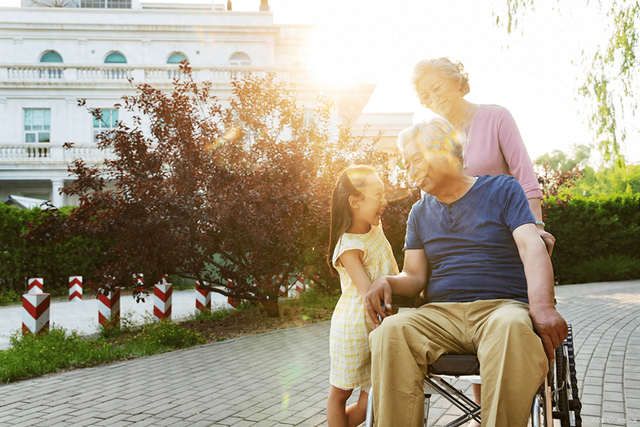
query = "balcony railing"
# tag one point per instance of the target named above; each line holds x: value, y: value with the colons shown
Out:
x: 61, y: 73
x: 49, y: 153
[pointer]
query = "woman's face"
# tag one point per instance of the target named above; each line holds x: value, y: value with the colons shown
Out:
x: 439, y: 94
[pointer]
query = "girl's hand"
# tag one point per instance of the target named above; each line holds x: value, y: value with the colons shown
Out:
x: 380, y: 290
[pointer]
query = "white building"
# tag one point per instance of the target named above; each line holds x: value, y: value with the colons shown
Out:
x: 88, y: 49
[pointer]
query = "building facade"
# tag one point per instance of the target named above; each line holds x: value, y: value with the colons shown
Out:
x: 50, y: 57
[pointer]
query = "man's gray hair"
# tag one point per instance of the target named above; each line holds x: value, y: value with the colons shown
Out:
x: 435, y: 135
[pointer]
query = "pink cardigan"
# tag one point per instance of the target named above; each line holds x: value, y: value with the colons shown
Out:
x: 495, y: 147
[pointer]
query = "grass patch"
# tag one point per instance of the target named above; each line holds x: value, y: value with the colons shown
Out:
x: 316, y: 299
x: 35, y: 355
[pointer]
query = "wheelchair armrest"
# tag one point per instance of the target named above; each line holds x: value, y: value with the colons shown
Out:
x: 400, y: 301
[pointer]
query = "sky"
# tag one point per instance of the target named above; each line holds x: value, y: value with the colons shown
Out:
x: 533, y: 73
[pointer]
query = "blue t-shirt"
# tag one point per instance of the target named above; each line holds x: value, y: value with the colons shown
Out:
x: 469, y: 243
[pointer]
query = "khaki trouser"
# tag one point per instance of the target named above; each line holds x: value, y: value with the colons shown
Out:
x: 513, y: 363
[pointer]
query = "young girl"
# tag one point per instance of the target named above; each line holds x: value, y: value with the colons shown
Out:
x: 360, y: 253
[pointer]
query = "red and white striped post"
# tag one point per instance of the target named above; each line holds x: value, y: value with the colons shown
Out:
x: 284, y: 289
x: 35, y: 313
x: 162, y: 293
x: 35, y: 285
x: 109, y: 308
x: 233, y: 302
x: 300, y: 287
x: 203, y: 299
x: 75, y: 288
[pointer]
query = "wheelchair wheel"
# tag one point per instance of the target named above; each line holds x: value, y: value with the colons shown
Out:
x: 574, y: 403
x: 560, y: 392
x: 565, y: 387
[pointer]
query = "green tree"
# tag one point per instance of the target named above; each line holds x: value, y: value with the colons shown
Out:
x: 613, y: 79
x: 608, y: 182
x: 559, y: 160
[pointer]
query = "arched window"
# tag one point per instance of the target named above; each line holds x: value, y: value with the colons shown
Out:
x: 115, y: 58
x: 176, y: 58
x: 51, y: 56
x: 239, y: 58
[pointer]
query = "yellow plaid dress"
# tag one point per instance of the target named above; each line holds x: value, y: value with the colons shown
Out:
x: 350, y: 323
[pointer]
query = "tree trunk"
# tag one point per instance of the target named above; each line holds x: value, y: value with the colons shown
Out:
x: 270, y: 305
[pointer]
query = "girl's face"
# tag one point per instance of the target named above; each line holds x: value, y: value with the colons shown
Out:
x: 439, y: 94
x: 369, y: 208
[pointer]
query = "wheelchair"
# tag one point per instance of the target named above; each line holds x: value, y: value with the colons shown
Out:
x: 556, y: 399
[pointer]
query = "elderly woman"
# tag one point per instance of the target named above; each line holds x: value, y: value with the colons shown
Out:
x: 491, y: 287
x: 491, y: 142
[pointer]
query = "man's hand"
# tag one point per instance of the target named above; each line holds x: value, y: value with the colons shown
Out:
x: 551, y: 327
x: 380, y: 290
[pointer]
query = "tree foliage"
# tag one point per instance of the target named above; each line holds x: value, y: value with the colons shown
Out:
x: 559, y: 160
x: 234, y: 194
x: 613, y: 79
x: 607, y: 181
x: 555, y: 185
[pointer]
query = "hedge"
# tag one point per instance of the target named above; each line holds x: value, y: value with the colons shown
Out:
x: 597, y: 239
x: 55, y: 262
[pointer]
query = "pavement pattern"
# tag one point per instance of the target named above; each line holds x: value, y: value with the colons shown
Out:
x: 281, y: 378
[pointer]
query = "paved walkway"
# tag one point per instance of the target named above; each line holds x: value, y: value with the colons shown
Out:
x: 281, y: 378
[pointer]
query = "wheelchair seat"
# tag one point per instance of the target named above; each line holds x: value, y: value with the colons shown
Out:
x: 557, y: 397
x: 455, y: 365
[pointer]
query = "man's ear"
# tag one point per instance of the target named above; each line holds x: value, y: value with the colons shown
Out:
x: 354, y: 202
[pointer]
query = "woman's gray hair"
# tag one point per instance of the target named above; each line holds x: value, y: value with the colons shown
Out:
x: 454, y: 71
x: 435, y: 135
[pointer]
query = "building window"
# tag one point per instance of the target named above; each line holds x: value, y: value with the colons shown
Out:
x: 108, y: 122
x: 110, y: 4
x: 51, y: 56
x: 37, y: 124
x: 176, y: 58
x: 239, y: 59
x: 308, y: 118
x: 115, y: 58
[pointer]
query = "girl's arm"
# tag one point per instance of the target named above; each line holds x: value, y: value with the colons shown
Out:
x: 351, y: 260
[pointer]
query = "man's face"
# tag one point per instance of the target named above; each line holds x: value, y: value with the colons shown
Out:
x: 425, y: 166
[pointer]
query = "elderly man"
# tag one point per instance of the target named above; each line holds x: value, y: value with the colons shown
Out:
x: 490, y: 291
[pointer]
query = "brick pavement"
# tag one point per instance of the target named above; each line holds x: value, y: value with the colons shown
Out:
x: 281, y: 378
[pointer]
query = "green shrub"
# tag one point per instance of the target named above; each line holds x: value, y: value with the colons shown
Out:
x: 605, y: 269
x: 592, y: 229
x: 55, y: 262
x: 7, y: 296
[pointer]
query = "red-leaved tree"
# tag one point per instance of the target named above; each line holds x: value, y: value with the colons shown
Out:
x: 235, y: 195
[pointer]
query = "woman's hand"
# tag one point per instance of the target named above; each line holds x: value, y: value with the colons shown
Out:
x: 548, y: 239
